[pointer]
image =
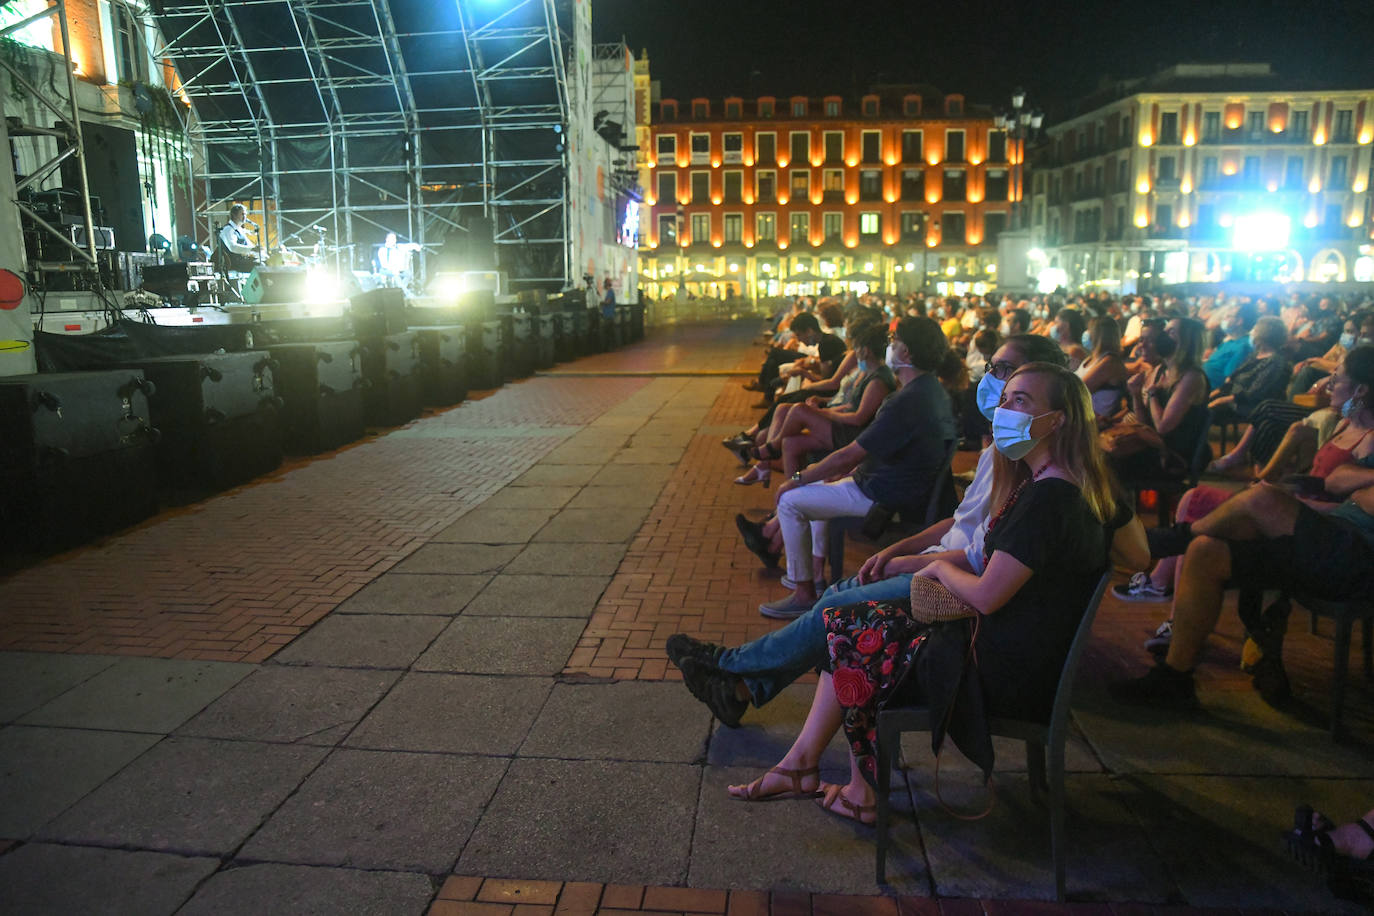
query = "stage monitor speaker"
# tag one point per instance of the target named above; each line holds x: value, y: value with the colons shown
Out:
x: 274, y: 284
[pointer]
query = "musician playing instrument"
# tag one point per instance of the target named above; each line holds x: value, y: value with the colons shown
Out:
x: 241, y: 253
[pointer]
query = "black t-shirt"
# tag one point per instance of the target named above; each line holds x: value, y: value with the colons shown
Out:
x: 1022, y: 645
x: 830, y: 350
x: 906, y: 445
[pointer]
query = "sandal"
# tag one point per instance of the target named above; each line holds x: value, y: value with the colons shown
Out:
x: 740, y: 449
x: 765, y: 452
x: 757, y: 474
x: 830, y: 792
x: 1309, y: 843
x: 752, y: 793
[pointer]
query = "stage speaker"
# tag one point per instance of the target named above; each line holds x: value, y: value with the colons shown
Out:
x: 274, y: 284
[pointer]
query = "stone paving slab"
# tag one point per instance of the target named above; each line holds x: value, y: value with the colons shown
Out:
x: 557, y: 475
x: 188, y: 795
x: 648, y: 455
x: 299, y: 890
x: 453, y: 713
x: 568, y: 559
x: 636, y: 816
x: 458, y: 559
x: 291, y: 705
x: 627, y: 720
x: 597, y: 438
x: 591, y: 525
x: 380, y: 809
x: 30, y: 679
x: 416, y: 593
x: 495, y: 526
x: 580, y: 454
x: 768, y: 732
x: 633, y: 497
x: 517, y: 497
x: 140, y: 694
x: 503, y: 645
x: 43, y: 771
x: 512, y: 595
x: 41, y: 879
x: 632, y: 475
x: 364, y: 641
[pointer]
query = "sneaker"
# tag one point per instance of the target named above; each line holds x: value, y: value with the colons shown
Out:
x: 754, y: 539
x: 1140, y: 588
x: 715, y: 688
x: 1158, y: 644
x: 788, y: 608
x: 1162, y: 687
x: 680, y: 646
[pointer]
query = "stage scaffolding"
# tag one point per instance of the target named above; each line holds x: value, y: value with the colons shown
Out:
x: 439, y: 121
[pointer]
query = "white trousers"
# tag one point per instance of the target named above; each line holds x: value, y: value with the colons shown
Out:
x: 802, y: 514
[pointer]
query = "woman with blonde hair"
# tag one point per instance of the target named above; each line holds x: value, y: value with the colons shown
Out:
x: 1104, y: 369
x: 1046, y: 547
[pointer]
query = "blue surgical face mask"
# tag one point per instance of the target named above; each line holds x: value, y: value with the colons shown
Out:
x: 1054, y: 333
x: 895, y: 362
x: 940, y: 312
x: 863, y: 366
x: 1348, y: 341
x: 1011, y: 432
x: 1087, y: 340
x: 989, y: 394
x: 1350, y: 407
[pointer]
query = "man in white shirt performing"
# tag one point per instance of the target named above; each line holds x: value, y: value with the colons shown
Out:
x: 722, y: 677
x: 393, y: 260
x: 233, y: 238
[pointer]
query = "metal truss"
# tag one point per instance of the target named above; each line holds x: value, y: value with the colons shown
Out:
x: 367, y: 116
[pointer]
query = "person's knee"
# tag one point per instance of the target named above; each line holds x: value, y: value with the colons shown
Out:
x: 1207, y: 558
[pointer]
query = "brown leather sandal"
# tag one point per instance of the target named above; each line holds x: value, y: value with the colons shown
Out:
x: 830, y: 792
x: 752, y: 793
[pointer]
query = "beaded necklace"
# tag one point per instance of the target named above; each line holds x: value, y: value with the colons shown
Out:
x: 1016, y: 494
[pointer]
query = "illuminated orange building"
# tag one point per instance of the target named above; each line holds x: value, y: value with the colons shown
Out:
x: 908, y: 185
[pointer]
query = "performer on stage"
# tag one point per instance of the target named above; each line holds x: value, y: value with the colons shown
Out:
x: 393, y: 260
x: 241, y: 254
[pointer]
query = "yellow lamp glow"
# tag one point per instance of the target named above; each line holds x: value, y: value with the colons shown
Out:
x: 734, y: 268
x: 1228, y: 169
x: 851, y: 198
x: 1183, y: 221
x: 748, y: 160
x: 1366, y: 136
x: 892, y: 160
x: 682, y: 162
x: 851, y: 243
x: 653, y: 243
x: 931, y: 242
x: 932, y: 197
x: 1359, y: 184
x: 816, y: 163
x: 1186, y: 186
x: 815, y: 197
x: 891, y: 197
x: 1319, y: 138
x: 1146, y: 138
x: 1354, y: 221
x: 1314, y: 185
x: 782, y: 161
x: 950, y: 271
x: 715, y: 243
x: 716, y: 200
x: 653, y: 162
x: 975, y: 159
x: 1141, y: 220
x: 748, y: 243
x: 782, y: 243
x: 975, y: 197
x: 851, y: 162
x: 933, y: 158
x: 1143, y: 186
x: 1272, y: 186
x: 749, y: 198
x: 783, y: 198
x: 715, y: 163
x: 1311, y: 221
x: 650, y: 199
x: 1189, y: 138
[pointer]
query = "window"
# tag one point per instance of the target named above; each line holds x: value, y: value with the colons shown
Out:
x: 1209, y: 170
x: 1254, y: 123
x: 954, y: 105
x: 1331, y: 219
x: 667, y: 228
x: 732, y: 145
x: 955, y: 184
x: 765, y: 227
x: 667, y: 110
x: 701, y: 228
x: 701, y: 110
x: 954, y: 146
x: 765, y: 149
x: 1342, y: 133
x: 1339, y: 180
x: 870, y: 108
x: 913, y: 225
x: 801, y: 184
x: 912, y: 146
x: 1168, y: 127
x: 1293, y: 171
x: 913, y: 184
x: 799, y: 227
x: 997, y: 146
x: 765, y: 108
x: 996, y: 184
x: 1164, y: 217
x: 993, y: 225
x: 732, y: 109
x: 701, y: 187
x: 734, y: 227
x: 799, y: 108
x: 765, y: 186
x: 701, y: 149
x: 667, y: 146
x: 871, y: 184
x: 911, y: 106
x: 872, y: 146
x: 733, y: 185
x: 833, y: 224
x: 1166, y: 169
x: 953, y: 231
x: 870, y: 223
x: 1097, y: 180
x: 834, y: 146
x: 131, y: 63
x: 800, y: 146
x: 832, y: 108
x: 1250, y: 170
x: 1211, y: 126
x: 667, y: 189
x: 832, y: 181
x: 1298, y: 125
x: 1122, y: 171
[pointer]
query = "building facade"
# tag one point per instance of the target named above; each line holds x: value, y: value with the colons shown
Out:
x: 905, y: 190
x: 1202, y: 174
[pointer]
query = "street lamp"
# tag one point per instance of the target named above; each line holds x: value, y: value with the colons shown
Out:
x: 1020, y: 125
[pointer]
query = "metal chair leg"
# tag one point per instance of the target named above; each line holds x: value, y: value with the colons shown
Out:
x: 1056, y: 779
x: 885, y: 739
x: 1339, y: 670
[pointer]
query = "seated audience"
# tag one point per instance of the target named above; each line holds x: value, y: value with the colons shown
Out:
x: 1104, y: 370
x: 1234, y: 348
x: 1263, y: 376
x: 1067, y: 331
x: 1168, y: 405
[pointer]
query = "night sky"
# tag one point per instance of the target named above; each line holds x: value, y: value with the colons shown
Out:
x: 1058, y: 50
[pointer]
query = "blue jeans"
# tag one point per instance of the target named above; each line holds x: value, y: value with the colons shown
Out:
x: 771, y: 662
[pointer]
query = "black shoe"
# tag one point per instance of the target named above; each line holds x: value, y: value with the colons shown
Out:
x: 681, y: 646
x: 756, y: 541
x: 739, y: 447
x: 1271, y: 681
x: 715, y: 688
x: 1162, y: 687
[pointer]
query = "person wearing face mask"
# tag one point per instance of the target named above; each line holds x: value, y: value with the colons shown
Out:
x: 1168, y: 404
x: 1047, y: 544
x: 1234, y: 348
x: 729, y: 679
x: 1254, y: 393
x: 1067, y: 331
x: 1103, y: 371
x: 1308, y: 372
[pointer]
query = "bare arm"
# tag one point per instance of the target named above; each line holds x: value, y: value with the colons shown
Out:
x: 1348, y: 478
x: 868, y: 406
x: 1167, y: 417
x: 987, y: 593
x: 1107, y: 371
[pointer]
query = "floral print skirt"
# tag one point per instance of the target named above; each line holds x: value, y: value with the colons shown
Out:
x: 873, y: 648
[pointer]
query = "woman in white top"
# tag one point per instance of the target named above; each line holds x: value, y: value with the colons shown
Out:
x: 1104, y: 371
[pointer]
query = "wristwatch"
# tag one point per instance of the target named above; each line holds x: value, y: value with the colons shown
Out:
x: 796, y: 476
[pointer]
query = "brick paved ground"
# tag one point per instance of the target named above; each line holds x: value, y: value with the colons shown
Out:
x: 418, y: 749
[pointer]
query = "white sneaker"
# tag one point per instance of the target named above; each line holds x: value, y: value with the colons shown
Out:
x: 1140, y: 588
x: 1158, y: 644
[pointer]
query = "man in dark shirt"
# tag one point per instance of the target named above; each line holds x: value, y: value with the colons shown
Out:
x: 893, y: 462
x: 807, y: 330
